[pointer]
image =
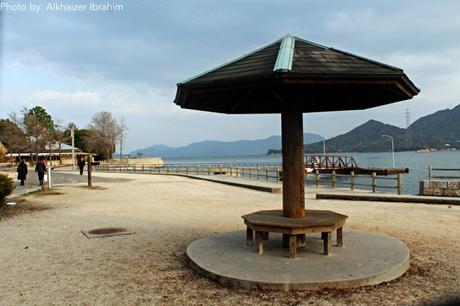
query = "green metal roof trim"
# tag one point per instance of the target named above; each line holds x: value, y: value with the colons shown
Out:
x: 231, y: 61
x: 285, y: 54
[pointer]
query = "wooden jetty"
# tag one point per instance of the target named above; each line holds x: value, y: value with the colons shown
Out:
x: 342, y: 164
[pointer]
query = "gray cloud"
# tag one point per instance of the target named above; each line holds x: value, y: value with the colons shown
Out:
x: 132, y: 59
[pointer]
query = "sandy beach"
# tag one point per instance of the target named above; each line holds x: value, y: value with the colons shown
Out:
x: 45, y: 259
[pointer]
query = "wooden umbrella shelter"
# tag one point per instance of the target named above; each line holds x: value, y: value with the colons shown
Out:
x: 292, y: 76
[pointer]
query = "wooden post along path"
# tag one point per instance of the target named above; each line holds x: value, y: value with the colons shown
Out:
x: 90, y: 183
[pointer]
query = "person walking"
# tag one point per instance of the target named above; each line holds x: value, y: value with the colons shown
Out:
x: 81, y: 165
x: 22, y: 172
x: 40, y: 168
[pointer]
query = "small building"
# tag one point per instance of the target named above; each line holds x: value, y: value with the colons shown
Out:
x: 55, y: 153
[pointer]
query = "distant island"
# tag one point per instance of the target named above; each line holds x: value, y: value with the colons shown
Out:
x: 218, y: 148
x: 440, y: 131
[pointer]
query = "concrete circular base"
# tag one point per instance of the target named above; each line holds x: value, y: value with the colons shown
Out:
x: 365, y: 259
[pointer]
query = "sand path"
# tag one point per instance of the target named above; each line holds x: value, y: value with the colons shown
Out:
x: 45, y: 259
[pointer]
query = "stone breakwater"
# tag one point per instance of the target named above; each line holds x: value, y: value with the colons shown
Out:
x: 445, y: 188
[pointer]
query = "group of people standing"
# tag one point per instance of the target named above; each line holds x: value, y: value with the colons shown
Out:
x: 40, y: 168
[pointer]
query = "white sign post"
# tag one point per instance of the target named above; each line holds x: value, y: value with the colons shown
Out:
x: 49, y: 178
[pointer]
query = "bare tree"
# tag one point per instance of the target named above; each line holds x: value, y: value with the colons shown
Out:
x: 123, y: 129
x: 11, y: 134
x: 59, y: 135
x: 105, y: 134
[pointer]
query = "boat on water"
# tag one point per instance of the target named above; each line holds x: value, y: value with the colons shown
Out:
x: 427, y: 150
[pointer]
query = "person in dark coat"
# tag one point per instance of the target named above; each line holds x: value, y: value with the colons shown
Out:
x: 81, y: 165
x: 40, y: 168
x: 22, y: 172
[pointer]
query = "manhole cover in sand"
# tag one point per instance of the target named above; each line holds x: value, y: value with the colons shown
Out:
x: 106, y: 232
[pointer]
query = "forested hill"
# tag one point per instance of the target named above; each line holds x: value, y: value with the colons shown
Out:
x: 440, y: 130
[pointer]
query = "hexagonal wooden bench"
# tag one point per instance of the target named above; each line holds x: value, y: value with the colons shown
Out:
x: 294, y: 229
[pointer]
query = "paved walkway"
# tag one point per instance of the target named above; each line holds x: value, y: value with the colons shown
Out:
x: 66, y: 176
x: 267, y: 186
x: 60, y: 177
x: 31, y: 184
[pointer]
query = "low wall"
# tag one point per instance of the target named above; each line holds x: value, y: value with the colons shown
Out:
x: 442, y: 188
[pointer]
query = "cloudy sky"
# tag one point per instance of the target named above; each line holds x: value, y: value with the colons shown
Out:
x: 128, y: 61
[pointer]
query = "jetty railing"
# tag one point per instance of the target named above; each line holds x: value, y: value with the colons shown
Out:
x: 358, y: 180
x: 437, y: 171
x: 270, y: 172
x: 321, y: 161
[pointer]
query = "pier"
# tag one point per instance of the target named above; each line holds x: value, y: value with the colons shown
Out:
x: 343, y: 164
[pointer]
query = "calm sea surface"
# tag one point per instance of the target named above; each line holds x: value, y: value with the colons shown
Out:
x: 416, y: 162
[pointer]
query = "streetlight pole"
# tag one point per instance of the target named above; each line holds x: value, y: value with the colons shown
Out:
x: 392, y: 148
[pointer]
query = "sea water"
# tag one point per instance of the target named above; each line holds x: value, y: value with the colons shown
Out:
x: 417, y: 163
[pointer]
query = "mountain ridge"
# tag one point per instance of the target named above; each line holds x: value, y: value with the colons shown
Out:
x: 216, y: 147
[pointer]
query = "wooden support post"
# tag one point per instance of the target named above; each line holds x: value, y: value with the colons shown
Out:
x: 334, y: 179
x: 328, y: 243
x: 285, y: 240
x: 323, y: 235
x: 260, y: 242
x: 249, y: 238
x: 339, y: 238
x: 399, y: 180
x: 317, y: 178
x: 430, y: 169
x: 90, y: 181
x: 292, y: 246
x: 301, y: 240
x: 293, y: 164
x: 374, y: 181
x: 352, y: 180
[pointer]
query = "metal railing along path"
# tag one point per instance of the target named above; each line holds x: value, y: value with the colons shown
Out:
x: 270, y: 172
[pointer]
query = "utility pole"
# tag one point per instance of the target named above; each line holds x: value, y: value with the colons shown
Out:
x: 72, y: 134
x: 408, y: 141
x: 121, y: 146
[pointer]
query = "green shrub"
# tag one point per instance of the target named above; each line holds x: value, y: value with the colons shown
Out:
x: 6, y: 187
x: 3, y: 152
